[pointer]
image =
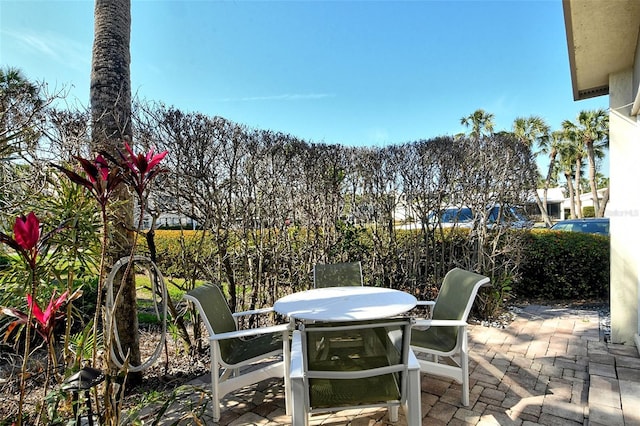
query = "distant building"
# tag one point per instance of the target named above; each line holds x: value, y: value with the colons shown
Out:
x: 555, y: 205
x: 586, y: 200
x: 558, y: 204
x: 169, y: 221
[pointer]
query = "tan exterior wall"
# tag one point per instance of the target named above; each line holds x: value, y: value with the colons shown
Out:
x: 624, y: 209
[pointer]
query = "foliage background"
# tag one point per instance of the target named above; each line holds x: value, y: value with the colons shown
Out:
x: 272, y: 205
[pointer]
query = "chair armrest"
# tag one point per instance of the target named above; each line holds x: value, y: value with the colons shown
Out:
x: 252, y: 312
x: 251, y: 332
x: 439, y: 323
x: 412, y: 362
x: 296, y: 370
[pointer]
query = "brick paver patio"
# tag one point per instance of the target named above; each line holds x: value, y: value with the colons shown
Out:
x: 550, y: 366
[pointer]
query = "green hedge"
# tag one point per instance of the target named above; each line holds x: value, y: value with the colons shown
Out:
x: 588, y: 211
x: 178, y: 251
x: 554, y: 265
x: 564, y: 265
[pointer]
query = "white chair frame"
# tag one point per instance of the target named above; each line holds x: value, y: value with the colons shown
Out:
x: 300, y: 375
x: 226, y: 378
x: 459, y: 355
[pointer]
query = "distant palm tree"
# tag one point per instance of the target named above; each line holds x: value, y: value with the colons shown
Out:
x: 531, y: 131
x: 480, y: 122
x: 550, y: 147
x: 20, y: 107
x: 592, y: 131
x: 534, y: 131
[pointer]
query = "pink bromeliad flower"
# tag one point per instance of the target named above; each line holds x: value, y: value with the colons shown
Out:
x: 143, y: 167
x: 26, y: 231
x: 45, y: 320
x: 26, y: 235
x: 101, y: 179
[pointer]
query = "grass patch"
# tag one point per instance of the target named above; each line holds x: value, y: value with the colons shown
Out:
x: 147, y: 318
x: 146, y: 312
x: 143, y: 287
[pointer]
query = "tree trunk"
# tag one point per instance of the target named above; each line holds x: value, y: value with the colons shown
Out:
x: 552, y: 162
x: 542, y: 206
x: 592, y: 178
x: 572, y: 205
x: 577, y: 189
x: 111, y: 123
x: 603, y: 205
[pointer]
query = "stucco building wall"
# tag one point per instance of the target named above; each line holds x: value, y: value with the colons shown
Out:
x: 624, y: 207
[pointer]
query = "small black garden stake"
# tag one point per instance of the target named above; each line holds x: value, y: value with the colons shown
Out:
x: 83, y: 380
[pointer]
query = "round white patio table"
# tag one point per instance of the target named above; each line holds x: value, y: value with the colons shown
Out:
x: 345, y: 304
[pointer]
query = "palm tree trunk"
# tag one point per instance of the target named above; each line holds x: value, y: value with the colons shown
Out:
x: 592, y: 178
x: 111, y: 120
x: 547, y: 181
x: 572, y: 205
x: 542, y: 206
x: 603, y: 205
x: 578, y: 201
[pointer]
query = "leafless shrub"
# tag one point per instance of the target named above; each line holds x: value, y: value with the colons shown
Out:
x: 276, y: 205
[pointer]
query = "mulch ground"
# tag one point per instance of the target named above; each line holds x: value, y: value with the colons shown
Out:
x: 174, y: 367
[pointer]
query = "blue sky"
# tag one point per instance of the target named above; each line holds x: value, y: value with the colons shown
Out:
x: 366, y: 73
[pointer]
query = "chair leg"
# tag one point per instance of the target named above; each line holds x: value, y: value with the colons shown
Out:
x: 299, y: 415
x: 464, y: 365
x: 215, y: 382
x: 412, y: 400
x: 413, y: 409
x: 74, y: 405
x: 393, y: 413
x: 286, y: 354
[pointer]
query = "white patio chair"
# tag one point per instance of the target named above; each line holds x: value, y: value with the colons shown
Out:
x: 346, y: 274
x: 232, y: 349
x: 444, y: 335
x: 383, y: 373
x: 337, y: 274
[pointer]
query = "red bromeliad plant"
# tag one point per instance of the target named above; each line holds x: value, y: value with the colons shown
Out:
x: 140, y: 170
x: 136, y: 170
x: 101, y: 181
x: 26, y: 233
x: 143, y: 168
x: 26, y: 236
x: 29, y: 243
x: 45, y: 321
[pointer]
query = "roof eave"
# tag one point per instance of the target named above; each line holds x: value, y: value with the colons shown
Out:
x: 601, y: 40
